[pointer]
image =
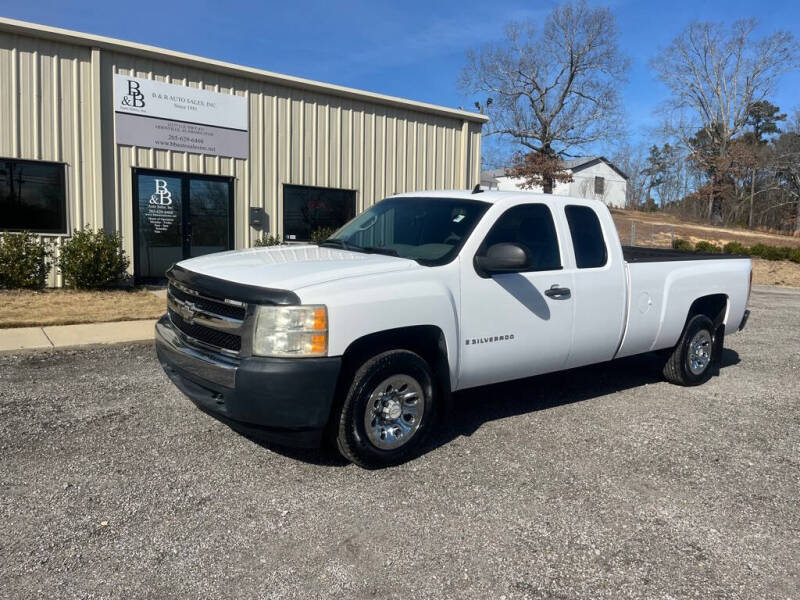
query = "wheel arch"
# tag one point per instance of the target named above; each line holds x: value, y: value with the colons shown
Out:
x: 428, y: 341
x: 714, y: 306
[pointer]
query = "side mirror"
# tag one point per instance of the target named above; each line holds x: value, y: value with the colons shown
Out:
x: 502, y: 258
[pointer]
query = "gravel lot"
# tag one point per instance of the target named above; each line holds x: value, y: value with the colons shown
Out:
x: 601, y: 483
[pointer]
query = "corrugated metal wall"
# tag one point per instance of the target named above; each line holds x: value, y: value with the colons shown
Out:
x: 56, y: 104
x: 47, y: 112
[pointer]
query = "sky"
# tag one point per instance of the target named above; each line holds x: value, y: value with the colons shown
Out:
x: 412, y: 49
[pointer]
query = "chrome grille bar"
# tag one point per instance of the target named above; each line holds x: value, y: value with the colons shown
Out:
x: 216, y: 324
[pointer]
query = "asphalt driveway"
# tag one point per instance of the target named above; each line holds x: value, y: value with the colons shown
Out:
x: 604, y: 482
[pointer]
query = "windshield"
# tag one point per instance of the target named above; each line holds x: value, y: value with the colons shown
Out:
x: 428, y: 230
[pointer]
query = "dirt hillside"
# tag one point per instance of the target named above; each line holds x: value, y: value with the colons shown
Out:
x: 660, y: 226
x: 658, y: 229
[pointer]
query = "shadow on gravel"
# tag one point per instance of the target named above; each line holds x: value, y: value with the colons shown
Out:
x: 476, y: 406
x: 472, y: 408
x: 326, y: 456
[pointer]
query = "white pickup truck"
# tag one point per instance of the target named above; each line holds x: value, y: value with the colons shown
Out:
x: 362, y: 338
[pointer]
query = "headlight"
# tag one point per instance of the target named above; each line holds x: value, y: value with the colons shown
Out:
x: 291, y: 331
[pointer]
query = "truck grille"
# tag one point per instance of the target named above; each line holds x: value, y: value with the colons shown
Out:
x: 201, y: 333
x: 208, y: 321
x: 211, y: 305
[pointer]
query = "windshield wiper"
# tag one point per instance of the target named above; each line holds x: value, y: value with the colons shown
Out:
x: 379, y: 250
x: 337, y: 243
x: 340, y: 243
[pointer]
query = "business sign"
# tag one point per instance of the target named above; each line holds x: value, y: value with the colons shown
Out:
x: 149, y: 98
x: 180, y: 137
x: 162, y: 115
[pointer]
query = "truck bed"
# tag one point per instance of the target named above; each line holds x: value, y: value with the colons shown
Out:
x: 637, y: 254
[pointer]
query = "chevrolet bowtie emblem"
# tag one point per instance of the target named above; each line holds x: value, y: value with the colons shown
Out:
x: 188, y: 312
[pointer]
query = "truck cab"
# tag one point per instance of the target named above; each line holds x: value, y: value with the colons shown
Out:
x: 364, y: 337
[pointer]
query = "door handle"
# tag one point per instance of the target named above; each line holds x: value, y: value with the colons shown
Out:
x: 558, y: 293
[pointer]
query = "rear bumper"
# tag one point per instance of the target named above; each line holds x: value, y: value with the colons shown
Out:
x: 284, y: 400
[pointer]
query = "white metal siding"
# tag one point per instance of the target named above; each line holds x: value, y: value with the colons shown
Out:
x: 46, y: 114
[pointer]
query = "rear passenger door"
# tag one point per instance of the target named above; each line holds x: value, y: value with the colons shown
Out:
x: 600, y: 287
x: 512, y: 324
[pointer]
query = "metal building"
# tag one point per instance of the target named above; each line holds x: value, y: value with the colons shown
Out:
x: 185, y: 155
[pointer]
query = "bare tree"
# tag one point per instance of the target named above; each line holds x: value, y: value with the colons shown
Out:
x: 632, y: 160
x: 715, y: 73
x: 552, y: 89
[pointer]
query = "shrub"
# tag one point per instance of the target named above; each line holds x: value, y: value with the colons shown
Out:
x: 321, y: 234
x: 681, y: 244
x: 735, y: 248
x: 795, y: 255
x: 707, y: 247
x: 92, y: 259
x: 24, y: 261
x: 762, y: 251
x: 268, y: 240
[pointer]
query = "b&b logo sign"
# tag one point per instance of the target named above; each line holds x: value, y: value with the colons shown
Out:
x: 162, y: 197
x: 134, y: 98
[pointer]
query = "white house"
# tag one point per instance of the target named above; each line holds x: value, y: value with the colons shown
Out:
x: 593, y: 177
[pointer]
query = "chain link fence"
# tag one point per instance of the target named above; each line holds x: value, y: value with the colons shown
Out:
x: 646, y: 234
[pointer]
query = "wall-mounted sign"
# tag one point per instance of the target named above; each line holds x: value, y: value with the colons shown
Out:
x: 150, y: 98
x: 162, y: 115
x: 181, y: 137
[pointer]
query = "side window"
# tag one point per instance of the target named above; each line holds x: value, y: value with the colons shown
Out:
x: 599, y: 185
x: 531, y: 226
x: 587, y: 237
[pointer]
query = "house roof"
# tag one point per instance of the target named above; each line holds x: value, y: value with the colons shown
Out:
x: 573, y: 164
x: 24, y: 28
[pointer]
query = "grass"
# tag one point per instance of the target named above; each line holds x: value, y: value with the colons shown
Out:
x: 25, y: 308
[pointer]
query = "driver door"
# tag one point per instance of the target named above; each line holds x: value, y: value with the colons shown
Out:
x: 512, y: 324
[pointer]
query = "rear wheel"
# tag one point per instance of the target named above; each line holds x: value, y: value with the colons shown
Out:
x: 691, y: 359
x: 388, y: 410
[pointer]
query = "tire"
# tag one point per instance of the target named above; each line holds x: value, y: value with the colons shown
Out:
x: 692, y: 359
x: 388, y: 410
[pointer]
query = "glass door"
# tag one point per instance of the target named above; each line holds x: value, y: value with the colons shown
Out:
x: 209, y: 216
x: 158, y: 225
x: 178, y: 216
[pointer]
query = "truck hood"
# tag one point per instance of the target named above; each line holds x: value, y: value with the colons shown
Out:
x: 294, y: 267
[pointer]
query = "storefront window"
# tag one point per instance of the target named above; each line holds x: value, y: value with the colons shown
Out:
x: 32, y: 196
x: 307, y: 209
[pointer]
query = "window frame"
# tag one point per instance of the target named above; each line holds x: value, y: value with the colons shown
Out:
x: 572, y: 236
x: 482, y: 246
x: 63, y: 229
x: 315, y: 187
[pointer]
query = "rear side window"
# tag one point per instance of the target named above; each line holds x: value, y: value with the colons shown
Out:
x: 587, y: 237
x: 530, y: 225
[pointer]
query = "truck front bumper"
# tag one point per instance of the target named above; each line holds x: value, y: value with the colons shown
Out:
x: 283, y: 400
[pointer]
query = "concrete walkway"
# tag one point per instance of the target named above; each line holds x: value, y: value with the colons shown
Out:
x: 64, y: 336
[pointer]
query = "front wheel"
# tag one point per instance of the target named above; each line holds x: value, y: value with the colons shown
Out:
x: 691, y: 359
x: 388, y: 410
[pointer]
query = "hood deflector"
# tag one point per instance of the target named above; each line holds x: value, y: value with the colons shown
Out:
x: 228, y: 289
